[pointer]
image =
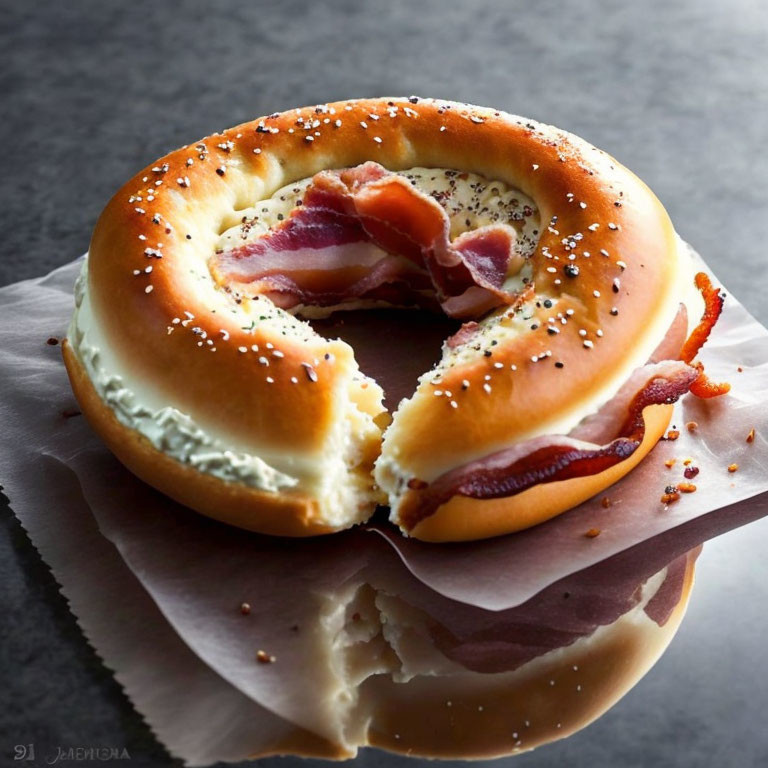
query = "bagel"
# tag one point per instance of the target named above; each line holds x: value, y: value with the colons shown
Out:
x: 202, y: 362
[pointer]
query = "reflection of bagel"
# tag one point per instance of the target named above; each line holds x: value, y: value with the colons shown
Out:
x: 187, y: 361
x: 404, y: 689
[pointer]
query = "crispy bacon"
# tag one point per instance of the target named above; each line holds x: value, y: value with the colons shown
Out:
x: 363, y: 228
x: 713, y: 306
x: 551, y: 458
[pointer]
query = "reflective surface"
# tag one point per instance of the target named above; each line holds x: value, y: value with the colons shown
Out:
x: 91, y: 93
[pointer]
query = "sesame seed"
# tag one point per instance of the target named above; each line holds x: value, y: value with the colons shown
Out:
x: 487, y: 388
x: 270, y: 380
x: 588, y: 344
x: 294, y: 380
x: 242, y: 350
x: 535, y: 167
x: 596, y: 294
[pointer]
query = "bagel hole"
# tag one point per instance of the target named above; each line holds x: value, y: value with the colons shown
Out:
x: 392, y: 346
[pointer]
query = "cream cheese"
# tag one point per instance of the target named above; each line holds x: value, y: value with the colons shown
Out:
x: 169, y: 430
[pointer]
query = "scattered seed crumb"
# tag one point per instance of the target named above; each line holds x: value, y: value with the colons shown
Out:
x: 264, y: 658
x: 245, y: 608
x: 673, y: 434
x: 692, y: 426
x: 669, y: 463
x: 686, y: 487
x: 592, y: 533
x: 733, y: 467
x: 751, y: 435
x: 670, y: 495
x: 52, y: 342
x: 606, y: 502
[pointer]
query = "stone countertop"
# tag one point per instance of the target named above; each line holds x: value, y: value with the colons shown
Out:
x: 678, y: 92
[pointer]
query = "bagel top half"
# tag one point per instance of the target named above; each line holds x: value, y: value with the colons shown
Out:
x: 239, y: 409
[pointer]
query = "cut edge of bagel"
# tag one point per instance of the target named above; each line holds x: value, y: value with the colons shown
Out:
x: 288, y: 513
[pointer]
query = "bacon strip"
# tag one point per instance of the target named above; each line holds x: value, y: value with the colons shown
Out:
x: 329, y: 250
x: 713, y: 306
x: 549, y: 458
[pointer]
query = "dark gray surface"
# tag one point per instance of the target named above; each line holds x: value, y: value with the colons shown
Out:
x: 92, y: 91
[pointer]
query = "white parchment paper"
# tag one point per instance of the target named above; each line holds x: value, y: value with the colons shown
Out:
x: 177, y: 643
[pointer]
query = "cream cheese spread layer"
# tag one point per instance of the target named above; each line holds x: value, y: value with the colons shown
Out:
x: 169, y: 430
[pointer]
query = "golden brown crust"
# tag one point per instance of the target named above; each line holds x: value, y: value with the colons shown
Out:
x: 205, y: 357
x: 278, y: 514
x: 464, y: 519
